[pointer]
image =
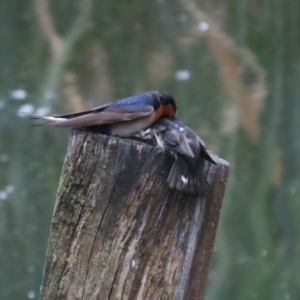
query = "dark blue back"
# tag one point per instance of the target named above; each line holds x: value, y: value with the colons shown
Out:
x: 147, y: 98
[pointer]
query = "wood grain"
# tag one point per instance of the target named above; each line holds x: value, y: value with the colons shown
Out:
x: 119, y: 232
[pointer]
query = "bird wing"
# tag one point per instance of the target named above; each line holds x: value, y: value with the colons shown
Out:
x: 84, y: 112
x: 178, y: 142
x: 185, y: 178
x: 171, y: 137
x: 205, y: 154
x: 108, y: 115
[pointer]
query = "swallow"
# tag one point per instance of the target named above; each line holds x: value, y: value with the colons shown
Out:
x: 189, y: 151
x: 123, y: 118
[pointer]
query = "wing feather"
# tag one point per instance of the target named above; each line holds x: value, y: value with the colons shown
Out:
x: 107, y: 115
x: 84, y: 112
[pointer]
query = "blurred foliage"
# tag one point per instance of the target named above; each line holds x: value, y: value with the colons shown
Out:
x: 233, y: 67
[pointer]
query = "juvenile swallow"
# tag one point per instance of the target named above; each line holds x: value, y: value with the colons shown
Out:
x: 122, y: 118
x: 186, y: 174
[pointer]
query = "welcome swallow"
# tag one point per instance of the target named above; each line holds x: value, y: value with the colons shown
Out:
x: 122, y: 118
x: 186, y: 174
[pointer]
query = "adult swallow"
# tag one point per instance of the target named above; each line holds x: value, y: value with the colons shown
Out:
x: 122, y: 118
x: 188, y: 149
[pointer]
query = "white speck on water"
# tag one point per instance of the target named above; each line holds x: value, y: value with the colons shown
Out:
x: 42, y: 111
x: 31, y: 294
x: 203, y: 26
x: 3, y: 195
x: 26, y: 108
x: 287, y: 296
x: 4, y: 158
x: 182, y: 75
x: 18, y: 94
x: 9, y: 189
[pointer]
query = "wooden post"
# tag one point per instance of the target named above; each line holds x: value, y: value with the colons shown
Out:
x: 119, y: 232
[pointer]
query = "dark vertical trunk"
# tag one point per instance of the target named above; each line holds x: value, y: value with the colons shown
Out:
x: 119, y: 232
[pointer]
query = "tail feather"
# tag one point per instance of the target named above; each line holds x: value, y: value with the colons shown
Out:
x: 51, y: 121
x: 186, y: 179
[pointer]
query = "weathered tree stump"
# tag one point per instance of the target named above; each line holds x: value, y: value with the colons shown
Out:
x: 119, y: 232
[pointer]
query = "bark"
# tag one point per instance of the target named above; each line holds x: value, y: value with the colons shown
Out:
x: 119, y: 232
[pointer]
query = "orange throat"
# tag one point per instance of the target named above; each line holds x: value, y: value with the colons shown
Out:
x: 165, y: 111
x: 168, y: 111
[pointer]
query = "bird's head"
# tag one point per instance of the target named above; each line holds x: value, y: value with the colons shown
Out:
x: 168, y: 103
